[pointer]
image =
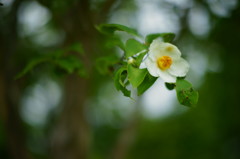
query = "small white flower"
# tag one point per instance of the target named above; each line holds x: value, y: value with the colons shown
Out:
x: 164, y: 60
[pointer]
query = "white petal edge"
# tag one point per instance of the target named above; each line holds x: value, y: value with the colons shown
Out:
x: 151, y: 67
x: 179, y: 67
x: 166, y: 76
x: 155, y: 44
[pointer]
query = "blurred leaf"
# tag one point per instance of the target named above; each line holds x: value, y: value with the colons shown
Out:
x: 136, y: 75
x: 31, y: 66
x: 111, y: 28
x: 76, y: 47
x: 133, y: 47
x: 170, y: 86
x: 167, y: 37
x: 59, y: 58
x: 186, y: 94
x: 147, y: 83
x: 55, y: 54
x: 104, y: 64
x: 119, y: 81
x: 115, y: 41
x: 82, y: 73
x: 69, y: 63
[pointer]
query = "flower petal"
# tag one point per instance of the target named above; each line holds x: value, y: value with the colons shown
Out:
x: 179, y: 68
x: 151, y: 66
x: 166, y: 76
x: 172, y: 51
x: 155, y: 44
x: 159, y: 48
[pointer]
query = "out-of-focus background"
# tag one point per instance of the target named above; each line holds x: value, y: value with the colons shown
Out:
x: 50, y: 114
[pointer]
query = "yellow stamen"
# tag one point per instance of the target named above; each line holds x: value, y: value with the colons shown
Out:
x: 164, y: 62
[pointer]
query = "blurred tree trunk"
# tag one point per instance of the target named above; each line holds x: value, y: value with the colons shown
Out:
x: 72, y: 135
x: 127, y: 136
x: 9, y: 88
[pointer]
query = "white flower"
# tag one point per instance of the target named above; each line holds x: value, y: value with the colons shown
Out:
x: 164, y: 60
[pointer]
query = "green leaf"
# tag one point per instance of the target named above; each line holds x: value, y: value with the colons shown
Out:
x: 147, y: 83
x: 105, y: 64
x: 139, y: 58
x: 167, y: 37
x: 82, y: 73
x: 119, y: 81
x: 76, y: 47
x: 186, y: 94
x: 69, y: 63
x: 125, y: 91
x: 115, y: 41
x: 58, y: 58
x: 111, y: 28
x: 170, y: 86
x: 31, y: 65
x: 136, y: 75
x: 133, y: 47
x: 55, y: 54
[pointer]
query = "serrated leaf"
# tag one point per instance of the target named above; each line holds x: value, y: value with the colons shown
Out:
x: 170, y: 86
x: 119, y: 78
x: 111, y: 28
x: 147, y: 83
x: 136, y: 75
x: 167, y: 37
x: 133, y: 47
x: 186, y: 94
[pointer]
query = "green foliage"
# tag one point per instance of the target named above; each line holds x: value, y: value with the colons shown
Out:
x: 136, y: 75
x: 167, y: 37
x: 111, y: 28
x: 59, y: 59
x: 147, y: 83
x: 170, y: 86
x: 114, y: 41
x: 186, y: 94
x: 75, y: 47
x: 120, y: 77
x: 33, y: 63
x: 105, y: 64
x: 133, y: 47
x: 139, y: 58
x: 68, y: 63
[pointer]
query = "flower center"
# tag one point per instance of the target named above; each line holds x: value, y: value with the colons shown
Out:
x: 164, y: 62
